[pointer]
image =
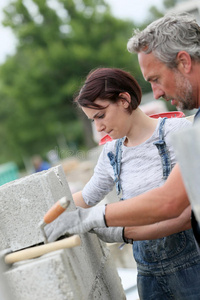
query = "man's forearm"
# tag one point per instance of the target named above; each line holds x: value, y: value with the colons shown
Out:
x: 159, y: 204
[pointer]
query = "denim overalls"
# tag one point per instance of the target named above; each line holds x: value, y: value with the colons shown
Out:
x: 169, y: 267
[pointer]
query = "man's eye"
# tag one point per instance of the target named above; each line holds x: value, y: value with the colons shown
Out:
x: 155, y: 80
x: 101, y: 116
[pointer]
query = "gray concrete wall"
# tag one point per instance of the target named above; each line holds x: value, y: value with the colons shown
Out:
x: 85, y: 272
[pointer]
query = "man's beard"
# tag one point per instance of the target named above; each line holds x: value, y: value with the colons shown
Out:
x: 184, y: 96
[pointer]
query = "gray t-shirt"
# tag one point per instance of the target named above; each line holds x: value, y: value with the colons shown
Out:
x: 141, y: 168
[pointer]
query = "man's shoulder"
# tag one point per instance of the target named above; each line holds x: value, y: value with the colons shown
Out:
x: 178, y: 122
x: 197, y: 115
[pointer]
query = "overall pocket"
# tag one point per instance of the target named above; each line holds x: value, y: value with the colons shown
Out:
x: 156, y: 250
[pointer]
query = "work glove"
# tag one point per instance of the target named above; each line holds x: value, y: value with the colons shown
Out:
x: 111, y: 235
x: 78, y: 221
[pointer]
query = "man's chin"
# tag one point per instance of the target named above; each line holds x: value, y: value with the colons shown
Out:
x: 174, y: 102
x: 177, y: 104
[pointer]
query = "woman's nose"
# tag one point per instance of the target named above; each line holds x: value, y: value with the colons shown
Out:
x: 99, y: 125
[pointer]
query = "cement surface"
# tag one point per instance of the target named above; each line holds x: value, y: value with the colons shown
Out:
x: 23, y: 204
x: 86, y: 272
x: 82, y: 273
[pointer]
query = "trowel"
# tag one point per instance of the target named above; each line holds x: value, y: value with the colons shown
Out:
x: 56, y: 210
x: 59, y: 207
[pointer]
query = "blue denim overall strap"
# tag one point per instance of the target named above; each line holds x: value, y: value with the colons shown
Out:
x: 162, y: 149
x: 115, y: 161
x: 197, y: 115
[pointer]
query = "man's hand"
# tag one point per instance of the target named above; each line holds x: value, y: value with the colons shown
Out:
x: 111, y: 235
x: 78, y: 221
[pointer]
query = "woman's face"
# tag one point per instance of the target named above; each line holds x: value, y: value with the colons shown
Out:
x: 112, y: 119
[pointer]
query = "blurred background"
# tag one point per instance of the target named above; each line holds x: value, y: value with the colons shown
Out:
x: 47, y: 49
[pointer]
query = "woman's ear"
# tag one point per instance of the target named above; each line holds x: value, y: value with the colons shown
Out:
x: 125, y: 99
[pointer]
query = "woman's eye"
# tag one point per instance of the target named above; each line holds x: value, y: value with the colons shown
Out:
x: 98, y: 117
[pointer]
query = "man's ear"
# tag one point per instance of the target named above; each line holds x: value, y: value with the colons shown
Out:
x: 125, y: 99
x: 184, y: 62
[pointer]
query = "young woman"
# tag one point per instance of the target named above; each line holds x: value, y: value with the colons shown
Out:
x: 139, y: 158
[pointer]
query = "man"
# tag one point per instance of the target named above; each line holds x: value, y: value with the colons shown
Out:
x: 169, y: 56
x: 180, y: 85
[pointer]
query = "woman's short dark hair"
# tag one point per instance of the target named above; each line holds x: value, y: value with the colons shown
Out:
x: 108, y: 84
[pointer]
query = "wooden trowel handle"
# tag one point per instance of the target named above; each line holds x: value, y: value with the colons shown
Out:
x: 37, y: 251
x: 57, y: 209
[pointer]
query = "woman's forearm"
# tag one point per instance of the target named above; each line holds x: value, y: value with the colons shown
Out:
x: 161, y: 229
x: 79, y: 201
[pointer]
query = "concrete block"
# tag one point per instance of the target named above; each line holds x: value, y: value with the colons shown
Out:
x: 24, y: 202
x: 187, y: 149
x: 100, y: 280
x: 86, y: 272
x: 5, y: 288
x: 82, y: 273
x: 41, y: 279
x: 3, y: 242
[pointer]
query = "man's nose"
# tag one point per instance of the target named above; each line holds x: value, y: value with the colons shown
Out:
x: 157, y: 92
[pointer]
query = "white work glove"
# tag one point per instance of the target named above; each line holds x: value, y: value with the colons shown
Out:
x: 111, y: 235
x: 78, y: 221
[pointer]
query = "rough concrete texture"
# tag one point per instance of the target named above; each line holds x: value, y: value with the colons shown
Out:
x: 86, y: 272
x: 24, y: 202
x: 123, y: 258
x: 83, y: 273
x: 43, y: 278
x: 5, y: 290
x: 3, y: 242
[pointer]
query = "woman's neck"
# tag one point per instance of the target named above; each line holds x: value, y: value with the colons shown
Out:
x: 141, y: 129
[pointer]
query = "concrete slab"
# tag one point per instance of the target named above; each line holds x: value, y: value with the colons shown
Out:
x: 24, y: 202
x: 5, y: 288
x: 86, y: 272
x: 82, y: 273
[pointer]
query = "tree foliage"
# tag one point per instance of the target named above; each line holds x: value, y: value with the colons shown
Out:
x: 57, y: 46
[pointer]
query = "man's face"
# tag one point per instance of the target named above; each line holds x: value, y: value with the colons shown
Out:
x: 167, y: 83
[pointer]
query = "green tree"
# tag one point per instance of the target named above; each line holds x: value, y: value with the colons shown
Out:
x: 57, y: 47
